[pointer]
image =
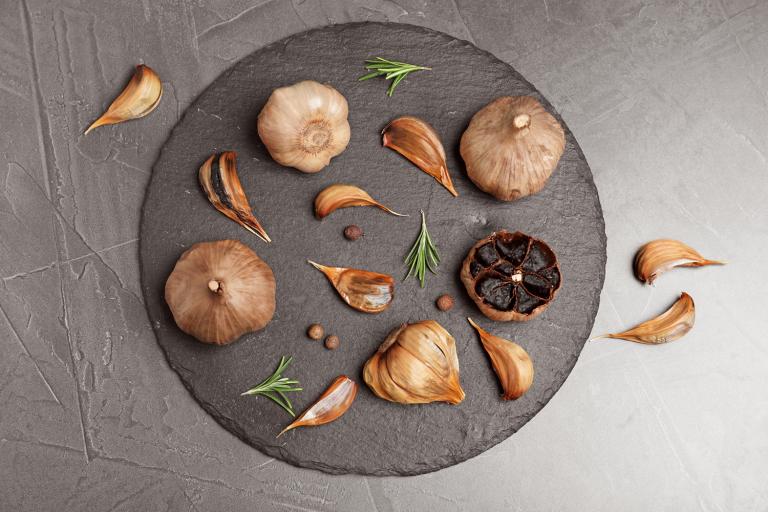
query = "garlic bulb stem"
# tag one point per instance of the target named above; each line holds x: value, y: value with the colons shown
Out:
x: 215, y: 286
x: 521, y: 121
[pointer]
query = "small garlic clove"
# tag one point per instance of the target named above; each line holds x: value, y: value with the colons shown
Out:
x: 218, y: 177
x: 140, y: 97
x: 369, y: 292
x: 331, y: 405
x: 658, y: 256
x: 338, y: 196
x: 510, y: 361
x: 418, y: 142
x: 671, y: 325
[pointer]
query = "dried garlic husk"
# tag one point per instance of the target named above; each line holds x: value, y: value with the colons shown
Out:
x: 418, y: 142
x: 218, y: 177
x: 333, y: 403
x: 337, y: 196
x: 510, y: 361
x: 305, y: 125
x: 658, y: 256
x: 369, y: 292
x: 219, y: 291
x: 673, y: 324
x: 140, y: 97
x: 511, y: 147
x: 416, y: 364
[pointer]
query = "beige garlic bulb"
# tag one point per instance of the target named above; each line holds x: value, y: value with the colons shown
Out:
x: 305, y: 125
x: 511, y: 147
x: 219, y: 291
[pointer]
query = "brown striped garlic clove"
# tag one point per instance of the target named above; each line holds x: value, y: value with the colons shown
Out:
x: 510, y: 361
x: 140, y: 97
x: 331, y: 405
x: 671, y: 325
x: 658, y: 256
x: 369, y: 292
x: 339, y: 195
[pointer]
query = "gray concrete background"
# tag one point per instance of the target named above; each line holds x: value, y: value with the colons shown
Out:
x: 669, y: 102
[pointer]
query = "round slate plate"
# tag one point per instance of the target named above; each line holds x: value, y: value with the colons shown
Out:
x: 374, y: 436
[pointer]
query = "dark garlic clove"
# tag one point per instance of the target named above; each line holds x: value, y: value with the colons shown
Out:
x: 218, y: 177
x: 339, y: 195
x: 671, y: 325
x: 140, y: 97
x: 331, y: 405
x: 418, y: 142
x: 512, y: 364
x: 369, y: 292
x: 658, y: 256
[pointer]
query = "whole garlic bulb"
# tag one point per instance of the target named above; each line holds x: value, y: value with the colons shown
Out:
x: 511, y: 147
x: 219, y: 291
x: 305, y: 125
x: 416, y: 364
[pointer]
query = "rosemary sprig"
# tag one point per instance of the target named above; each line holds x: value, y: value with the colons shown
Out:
x: 390, y: 70
x: 276, y: 386
x: 423, y: 255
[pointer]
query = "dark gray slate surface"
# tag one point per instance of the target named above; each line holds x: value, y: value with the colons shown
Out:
x: 374, y: 437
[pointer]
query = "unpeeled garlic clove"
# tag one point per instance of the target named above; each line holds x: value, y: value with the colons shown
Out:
x: 369, y: 292
x: 331, y: 405
x: 140, y: 97
x: 418, y: 142
x: 671, y: 325
x: 337, y: 196
x: 218, y: 177
x: 658, y: 256
x: 512, y: 364
x: 416, y: 364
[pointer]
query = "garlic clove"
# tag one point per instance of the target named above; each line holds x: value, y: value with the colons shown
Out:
x: 416, y: 364
x: 369, y: 292
x: 339, y: 195
x: 671, y: 325
x: 304, y: 125
x: 219, y: 291
x: 418, y: 142
x: 331, y: 405
x: 658, y: 256
x: 511, y: 147
x: 512, y: 364
x: 218, y: 177
x: 140, y: 97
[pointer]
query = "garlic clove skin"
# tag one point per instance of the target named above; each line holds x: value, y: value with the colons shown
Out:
x: 510, y: 361
x: 659, y: 256
x: 219, y: 291
x: 671, y: 325
x: 511, y: 147
x: 369, y: 292
x: 219, y: 180
x: 417, y: 141
x: 305, y: 125
x: 331, y: 405
x: 416, y: 364
x: 340, y: 195
x: 140, y: 97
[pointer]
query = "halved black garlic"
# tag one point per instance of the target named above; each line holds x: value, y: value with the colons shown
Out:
x: 218, y: 177
x: 511, y: 276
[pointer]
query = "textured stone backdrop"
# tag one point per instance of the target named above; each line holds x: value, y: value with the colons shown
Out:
x: 668, y: 101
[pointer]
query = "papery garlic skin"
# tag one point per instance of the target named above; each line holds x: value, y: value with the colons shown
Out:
x: 139, y: 98
x: 511, y: 147
x: 305, y: 125
x: 659, y: 256
x: 416, y: 364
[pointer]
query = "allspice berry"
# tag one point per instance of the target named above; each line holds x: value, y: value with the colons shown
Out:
x: 444, y: 302
x: 332, y: 342
x: 353, y: 232
x: 315, y: 332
